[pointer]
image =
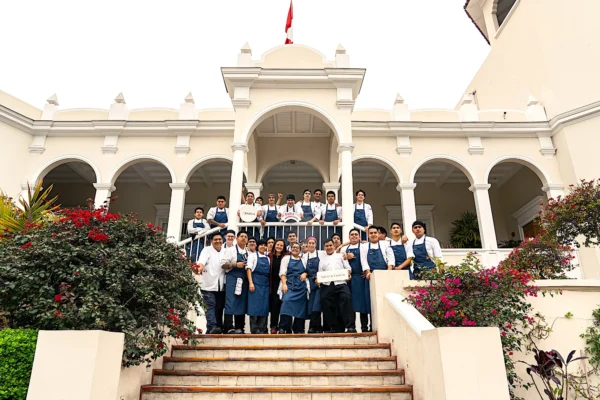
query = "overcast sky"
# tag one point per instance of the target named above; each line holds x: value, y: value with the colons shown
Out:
x: 155, y: 52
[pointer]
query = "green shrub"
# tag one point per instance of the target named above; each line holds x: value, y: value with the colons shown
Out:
x: 97, y: 270
x: 17, y: 349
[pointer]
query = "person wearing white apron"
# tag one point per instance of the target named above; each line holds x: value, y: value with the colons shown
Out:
x: 196, y: 226
x: 290, y: 208
x: 234, y: 262
x: 294, y: 292
x: 363, y: 214
x: 425, y: 249
x: 217, y: 216
x: 258, y: 271
x: 212, y: 284
x: 249, y: 201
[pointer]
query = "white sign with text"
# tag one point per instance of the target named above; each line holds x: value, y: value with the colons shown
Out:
x: 332, y: 276
x: 248, y: 213
x: 290, y: 216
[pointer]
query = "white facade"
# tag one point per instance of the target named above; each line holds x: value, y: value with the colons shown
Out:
x: 523, y: 131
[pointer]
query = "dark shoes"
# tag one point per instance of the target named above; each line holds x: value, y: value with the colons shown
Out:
x: 215, y: 331
x: 281, y: 332
x: 313, y: 330
x: 350, y: 330
x: 273, y: 331
x: 239, y: 332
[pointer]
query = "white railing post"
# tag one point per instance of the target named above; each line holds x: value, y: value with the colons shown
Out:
x: 237, y: 180
x: 345, y: 150
x: 176, y: 208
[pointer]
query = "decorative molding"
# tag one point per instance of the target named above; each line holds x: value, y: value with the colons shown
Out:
x: 182, y: 147
x: 105, y: 186
x: 479, y: 186
x: 475, y: 145
x: 240, y: 103
x: 546, y: 145
x: 403, y: 147
x: 346, y: 147
x: 406, y: 186
x: 37, y: 145
x: 179, y: 186
x: 239, y: 146
x: 345, y: 104
x: 110, y: 145
x: 528, y: 213
x: 553, y: 186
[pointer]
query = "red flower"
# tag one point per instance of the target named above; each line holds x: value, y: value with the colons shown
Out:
x: 58, y: 314
x: 58, y: 298
x: 161, y: 345
x: 54, y: 235
x: 494, y: 312
x: 76, y: 273
x: 27, y: 245
x: 97, y: 236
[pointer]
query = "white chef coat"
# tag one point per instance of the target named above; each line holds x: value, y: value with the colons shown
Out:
x: 213, y: 276
x: 386, y: 250
x: 297, y: 209
x: 213, y: 211
x: 316, y: 253
x: 315, y: 207
x: 230, y: 255
x: 407, y: 247
x: 191, y: 229
x: 266, y: 208
x: 333, y: 262
x: 285, y: 262
x: 431, y: 245
x: 327, y: 206
x: 253, y: 260
x: 368, y: 211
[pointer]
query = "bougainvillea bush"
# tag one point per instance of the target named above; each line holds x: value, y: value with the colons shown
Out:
x: 470, y: 295
x: 578, y: 213
x: 97, y: 270
x: 540, y: 257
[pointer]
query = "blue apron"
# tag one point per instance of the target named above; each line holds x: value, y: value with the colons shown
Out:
x: 196, y: 245
x: 376, y: 261
x: 236, y: 304
x: 271, y: 217
x: 358, y: 284
x: 399, y: 254
x: 221, y: 218
x: 314, y: 301
x: 360, y: 218
x: 422, y: 262
x: 330, y: 216
x: 305, y: 232
x: 294, y: 301
x: 258, y: 301
x: 288, y: 229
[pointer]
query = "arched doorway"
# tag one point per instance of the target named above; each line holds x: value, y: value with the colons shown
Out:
x: 445, y: 203
x: 73, y: 183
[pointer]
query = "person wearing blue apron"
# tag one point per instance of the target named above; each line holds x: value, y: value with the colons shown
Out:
x: 194, y: 227
x: 402, y: 253
x: 311, y: 258
x: 259, y: 272
x: 330, y: 212
x: 363, y: 214
x: 294, y: 292
x: 270, y: 214
x: 310, y: 214
x: 425, y: 250
x: 290, y: 208
x: 357, y: 281
x: 217, y: 216
x: 249, y: 201
x: 234, y: 261
x: 375, y: 255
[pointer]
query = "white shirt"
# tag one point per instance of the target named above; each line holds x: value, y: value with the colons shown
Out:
x: 333, y: 262
x: 213, y: 276
x: 253, y: 260
x: 297, y: 209
x: 230, y: 255
x: 368, y: 211
x: 386, y: 250
x: 213, y: 211
x: 315, y: 207
x: 284, y: 264
x: 431, y: 245
x: 191, y: 229
x: 327, y: 206
x: 266, y: 208
x: 316, y: 253
x: 407, y: 248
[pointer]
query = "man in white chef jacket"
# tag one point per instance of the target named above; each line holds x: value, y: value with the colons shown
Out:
x: 212, y: 283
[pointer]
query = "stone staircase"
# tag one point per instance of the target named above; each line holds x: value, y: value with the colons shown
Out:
x: 347, y: 366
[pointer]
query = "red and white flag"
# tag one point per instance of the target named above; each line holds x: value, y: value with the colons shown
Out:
x: 288, y: 25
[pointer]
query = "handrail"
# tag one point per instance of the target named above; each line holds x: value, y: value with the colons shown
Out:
x: 198, y: 236
x: 360, y: 227
x: 278, y: 224
x: 417, y: 322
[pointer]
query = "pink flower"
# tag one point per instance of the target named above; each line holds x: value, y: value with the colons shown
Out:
x: 494, y: 312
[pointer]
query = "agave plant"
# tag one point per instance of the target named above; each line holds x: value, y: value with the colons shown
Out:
x: 465, y: 233
x: 36, y: 209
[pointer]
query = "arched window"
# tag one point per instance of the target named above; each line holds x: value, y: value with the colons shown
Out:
x: 503, y: 7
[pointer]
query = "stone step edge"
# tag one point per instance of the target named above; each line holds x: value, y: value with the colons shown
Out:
x: 291, y: 336
x: 287, y: 347
x: 390, y: 372
x: 278, y: 389
x: 275, y: 359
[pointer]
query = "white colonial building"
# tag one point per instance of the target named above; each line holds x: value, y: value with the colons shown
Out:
x: 525, y: 128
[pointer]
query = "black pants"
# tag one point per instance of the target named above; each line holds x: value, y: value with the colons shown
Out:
x: 258, y: 324
x: 240, y: 321
x: 220, y: 308
x: 274, y: 307
x: 315, y: 322
x: 364, y: 322
x: 337, y: 297
x: 285, y: 323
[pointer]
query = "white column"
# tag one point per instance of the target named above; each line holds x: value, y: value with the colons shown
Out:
x: 409, y: 209
x: 103, y: 192
x: 484, y: 216
x: 254, y: 188
x: 554, y: 190
x: 237, y: 180
x: 345, y: 150
x: 331, y: 186
x: 176, y: 208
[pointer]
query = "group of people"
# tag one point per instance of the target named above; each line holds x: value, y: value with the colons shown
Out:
x: 243, y: 275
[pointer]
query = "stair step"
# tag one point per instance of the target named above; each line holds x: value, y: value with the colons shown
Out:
x: 278, y: 364
x: 290, y: 351
x: 398, y: 392
x: 284, y: 340
x: 278, y: 378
